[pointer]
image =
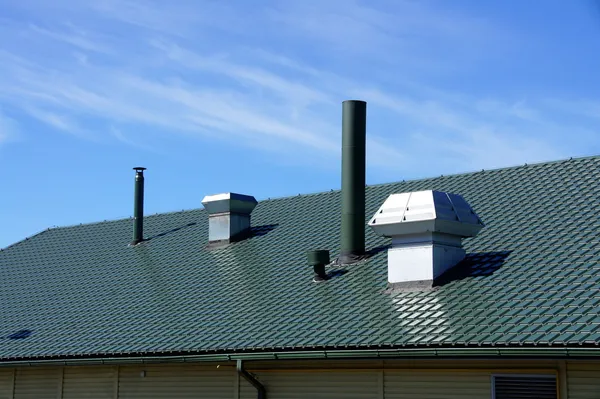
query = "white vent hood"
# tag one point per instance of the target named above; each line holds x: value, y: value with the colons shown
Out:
x: 426, y: 228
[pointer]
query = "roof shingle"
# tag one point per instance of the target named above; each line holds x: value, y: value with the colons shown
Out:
x: 532, y: 276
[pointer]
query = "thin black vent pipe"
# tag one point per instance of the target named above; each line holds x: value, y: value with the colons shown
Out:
x: 138, y: 206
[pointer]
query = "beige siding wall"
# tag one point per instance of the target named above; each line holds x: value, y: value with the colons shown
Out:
x: 583, y: 380
x: 439, y: 384
x: 287, y: 380
x: 390, y: 379
x: 89, y: 382
x: 402, y: 384
x: 6, y: 383
x: 38, y: 383
x: 175, y: 382
x: 317, y: 385
x: 485, y: 365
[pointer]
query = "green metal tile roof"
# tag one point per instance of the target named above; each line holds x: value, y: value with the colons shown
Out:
x: 532, y: 276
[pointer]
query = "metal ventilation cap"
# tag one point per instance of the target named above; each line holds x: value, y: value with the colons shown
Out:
x: 426, y: 211
x: 228, y: 217
x: 427, y: 228
x: 229, y: 203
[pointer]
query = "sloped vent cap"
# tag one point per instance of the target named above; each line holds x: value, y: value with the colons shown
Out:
x: 426, y: 211
x: 229, y: 203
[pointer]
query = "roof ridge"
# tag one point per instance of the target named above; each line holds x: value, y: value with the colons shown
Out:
x: 314, y: 194
x: 120, y: 219
x: 448, y: 175
x: 27, y: 238
x: 492, y: 170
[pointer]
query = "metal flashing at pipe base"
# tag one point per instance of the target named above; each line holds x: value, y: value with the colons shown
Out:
x: 348, y: 258
x: 410, y: 286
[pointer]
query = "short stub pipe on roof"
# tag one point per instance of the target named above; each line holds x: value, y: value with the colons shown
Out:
x: 318, y: 259
x: 228, y: 217
x: 354, y: 122
x: 427, y: 228
x: 138, y: 206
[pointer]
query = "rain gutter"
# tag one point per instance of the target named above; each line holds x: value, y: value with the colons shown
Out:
x: 419, y: 353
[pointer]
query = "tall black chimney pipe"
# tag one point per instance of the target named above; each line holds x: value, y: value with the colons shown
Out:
x: 138, y: 206
x: 354, y: 127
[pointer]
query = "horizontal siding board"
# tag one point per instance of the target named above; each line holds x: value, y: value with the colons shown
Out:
x: 583, y: 380
x: 470, y: 365
x: 6, y: 383
x: 312, y: 364
x: 284, y: 380
x: 314, y: 385
x: 403, y: 378
x: 175, y: 382
x: 38, y: 383
x: 442, y: 385
x: 247, y: 391
x: 89, y: 382
x: 401, y: 364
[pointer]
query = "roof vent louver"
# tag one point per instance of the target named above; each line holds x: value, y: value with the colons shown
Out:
x: 427, y: 228
x: 228, y: 216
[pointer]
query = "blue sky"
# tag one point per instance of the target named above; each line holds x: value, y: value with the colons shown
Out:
x: 245, y: 96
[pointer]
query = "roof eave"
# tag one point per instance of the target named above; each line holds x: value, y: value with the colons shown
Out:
x: 358, y: 354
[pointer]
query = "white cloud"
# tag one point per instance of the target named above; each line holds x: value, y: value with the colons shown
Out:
x: 55, y: 120
x: 74, y: 37
x: 9, y: 129
x: 81, y: 58
x: 273, y: 77
x: 283, y: 87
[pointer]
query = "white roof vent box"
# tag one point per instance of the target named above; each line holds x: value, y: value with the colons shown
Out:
x: 426, y: 228
x: 228, y: 217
